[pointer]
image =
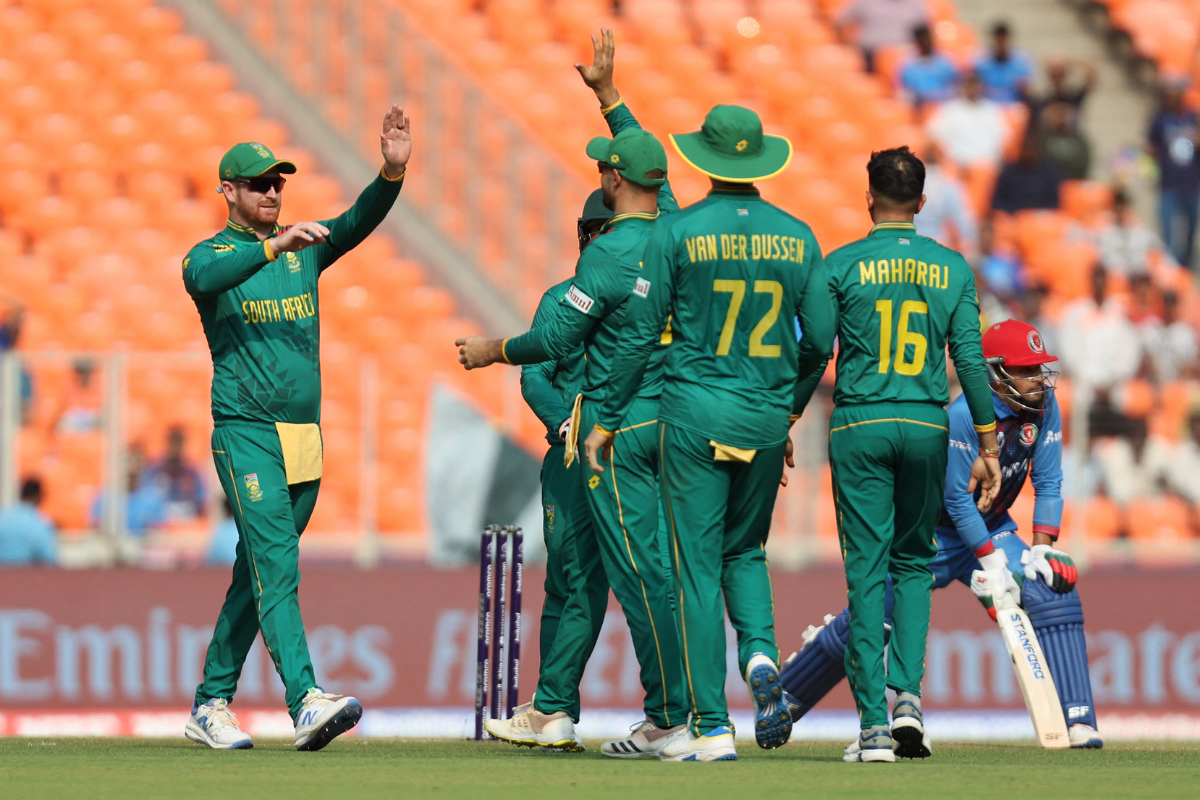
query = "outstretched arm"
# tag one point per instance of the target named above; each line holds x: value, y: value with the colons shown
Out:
x: 347, y: 230
x: 537, y: 380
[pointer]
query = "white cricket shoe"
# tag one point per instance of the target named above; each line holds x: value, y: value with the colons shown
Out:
x: 1085, y: 736
x: 644, y: 741
x: 323, y: 717
x: 215, y: 725
x: 772, y: 718
x: 529, y: 727
x: 716, y: 745
x: 873, y: 745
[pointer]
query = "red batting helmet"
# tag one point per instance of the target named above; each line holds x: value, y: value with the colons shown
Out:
x: 1013, y: 343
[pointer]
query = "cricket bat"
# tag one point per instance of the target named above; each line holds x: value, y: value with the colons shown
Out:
x: 1033, y: 674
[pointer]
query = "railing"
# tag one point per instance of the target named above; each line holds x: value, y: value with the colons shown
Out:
x: 482, y: 176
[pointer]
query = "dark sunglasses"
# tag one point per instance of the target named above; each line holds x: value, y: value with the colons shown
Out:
x: 261, y: 184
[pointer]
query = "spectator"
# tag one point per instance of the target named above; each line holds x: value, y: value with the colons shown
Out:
x: 177, y: 481
x: 26, y: 534
x: 1033, y: 312
x: 1058, y: 74
x: 1183, y: 467
x: 1126, y: 243
x: 80, y: 410
x: 1098, y: 346
x: 222, y: 550
x: 1030, y: 182
x: 1135, y: 466
x: 880, y: 23
x: 145, y: 508
x: 1063, y: 142
x: 12, y: 319
x: 1144, y: 306
x: 1172, y: 142
x: 1005, y: 72
x: 1170, y: 344
x: 969, y: 129
x: 946, y: 215
x: 1000, y: 269
x: 928, y: 77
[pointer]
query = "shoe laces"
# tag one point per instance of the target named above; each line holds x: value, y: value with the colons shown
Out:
x: 645, y: 723
x: 316, y: 695
x: 219, y: 715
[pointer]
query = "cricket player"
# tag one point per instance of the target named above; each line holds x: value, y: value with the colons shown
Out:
x: 731, y: 274
x: 624, y: 508
x: 900, y: 299
x: 255, y: 286
x: 576, y: 586
x: 972, y: 543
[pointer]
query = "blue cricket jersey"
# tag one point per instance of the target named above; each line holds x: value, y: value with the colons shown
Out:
x: 1030, y: 443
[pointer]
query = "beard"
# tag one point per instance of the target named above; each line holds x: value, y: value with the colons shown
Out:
x: 259, y: 212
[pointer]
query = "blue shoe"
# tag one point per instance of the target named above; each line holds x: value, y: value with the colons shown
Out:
x: 873, y: 744
x: 324, y: 717
x: 716, y: 745
x: 772, y: 719
x: 908, y: 728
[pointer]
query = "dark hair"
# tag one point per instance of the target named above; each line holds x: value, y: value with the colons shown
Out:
x: 1000, y: 29
x: 920, y: 30
x: 31, y: 491
x: 897, y: 176
x: 1120, y: 197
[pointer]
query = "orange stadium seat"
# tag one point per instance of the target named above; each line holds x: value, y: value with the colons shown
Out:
x: 1162, y: 519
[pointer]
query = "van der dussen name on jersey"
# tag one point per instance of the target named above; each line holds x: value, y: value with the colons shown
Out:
x: 736, y: 246
x: 904, y: 270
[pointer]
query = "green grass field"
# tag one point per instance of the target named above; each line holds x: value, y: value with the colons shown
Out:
x: 349, y: 769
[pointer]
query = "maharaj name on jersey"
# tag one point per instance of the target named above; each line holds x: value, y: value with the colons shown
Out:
x: 904, y: 270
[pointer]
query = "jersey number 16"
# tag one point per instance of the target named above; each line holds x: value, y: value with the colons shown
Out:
x: 904, y: 337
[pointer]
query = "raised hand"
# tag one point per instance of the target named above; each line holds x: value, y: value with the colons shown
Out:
x: 299, y: 236
x: 395, y: 141
x: 599, y: 76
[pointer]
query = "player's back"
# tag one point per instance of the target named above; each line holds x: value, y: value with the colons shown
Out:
x: 899, y: 296
x: 740, y: 270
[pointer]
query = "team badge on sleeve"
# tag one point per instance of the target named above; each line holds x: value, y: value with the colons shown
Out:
x: 642, y: 287
x: 579, y: 299
x: 252, y: 488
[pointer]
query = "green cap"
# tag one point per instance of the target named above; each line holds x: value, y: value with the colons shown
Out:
x: 594, y: 208
x: 731, y: 146
x: 248, y: 159
x: 634, y: 152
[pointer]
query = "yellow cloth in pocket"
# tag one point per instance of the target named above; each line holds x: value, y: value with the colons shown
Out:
x: 301, y: 444
x: 723, y: 452
x: 573, y: 434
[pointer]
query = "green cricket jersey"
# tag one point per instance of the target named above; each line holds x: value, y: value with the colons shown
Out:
x: 260, y: 313
x: 900, y: 299
x: 592, y: 310
x: 733, y: 273
x: 550, y: 387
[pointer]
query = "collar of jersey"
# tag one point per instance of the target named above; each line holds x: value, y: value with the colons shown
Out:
x: 608, y: 226
x: 243, y: 232
x: 749, y: 191
x: 892, y: 229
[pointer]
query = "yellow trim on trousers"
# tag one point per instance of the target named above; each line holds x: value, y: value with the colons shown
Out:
x: 687, y: 662
x: 890, y: 419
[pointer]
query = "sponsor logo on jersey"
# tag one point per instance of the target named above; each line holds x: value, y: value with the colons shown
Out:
x: 1035, y: 342
x: 1028, y: 434
x: 222, y: 248
x: 253, y: 490
x: 1052, y: 437
x: 593, y: 481
x: 549, y: 520
x: 579, y: 299
x: 960, y: 445
x: 642, y: 287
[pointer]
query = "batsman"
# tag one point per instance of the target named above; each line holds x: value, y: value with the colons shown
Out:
x: 983, y: 549
x: 899, y: 299
x: 255, y: 286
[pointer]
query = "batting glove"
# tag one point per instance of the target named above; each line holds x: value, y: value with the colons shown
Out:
x: 1054, y: 566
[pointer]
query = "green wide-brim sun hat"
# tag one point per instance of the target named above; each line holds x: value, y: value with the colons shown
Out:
x: 731, y: 146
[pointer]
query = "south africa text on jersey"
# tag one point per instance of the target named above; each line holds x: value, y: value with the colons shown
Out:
x: 289, y: 308
x: 904, y: 270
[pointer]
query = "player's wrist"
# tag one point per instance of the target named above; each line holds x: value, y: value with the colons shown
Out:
x: 609, y: 98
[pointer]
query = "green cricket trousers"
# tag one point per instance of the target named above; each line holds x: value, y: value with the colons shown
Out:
x: 623, y: 529
x: 718, y: 514
x: 262, y: 596
x: 576, y: 586
x: 888, y: 462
